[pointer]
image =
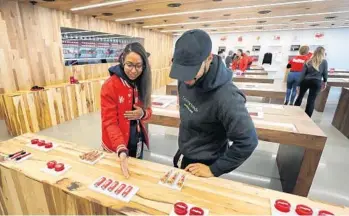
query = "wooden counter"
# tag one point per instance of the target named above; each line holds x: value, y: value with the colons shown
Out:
x: 26, y: 190
x: 302, y: 141
x: 256, y: 67
x: 274, y: 93
x: 253, y: 78
x: 341, y: 116
x: 338, y: 75
x: 321, y: 99
x: 341, y: 70
x: 256, y: 72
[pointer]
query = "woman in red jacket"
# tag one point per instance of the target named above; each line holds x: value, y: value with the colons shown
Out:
x: 125, y: 103
x: 240, y: 62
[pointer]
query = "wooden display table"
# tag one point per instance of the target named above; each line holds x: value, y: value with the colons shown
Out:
x: 341, y: 116
x: 341, y: 70
x: 32, y: 111
x: 256, y: 72
x: 321, y: 99
x: 253, y: 78
x: 256, y: 67
x: 27, y: 190
x: 272, y: 93
x: 338, y: 75
x: 302, y: 141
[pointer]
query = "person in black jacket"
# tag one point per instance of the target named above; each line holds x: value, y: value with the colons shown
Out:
x: 229, y: 59
x: 212, y: 110
x: 311, y: 78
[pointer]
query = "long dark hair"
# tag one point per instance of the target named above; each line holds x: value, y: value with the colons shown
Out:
x: 144, y: 80
x: 236, y: 56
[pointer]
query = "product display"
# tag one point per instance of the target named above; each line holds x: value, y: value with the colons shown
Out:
x: 42, y: 145
x: 91, y: 157
x: 55, y: 168
x: 115, y: 189
x: 182, y: 208
x: 172, y: 179
x: 283, y: 207
x: 17, y: 156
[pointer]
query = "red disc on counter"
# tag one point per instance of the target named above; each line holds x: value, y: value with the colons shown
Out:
x: 304, y: 210
x: 51, y: 164
x: 196, y: 211
x: 181, y: 208
x: 34, y: 141
x: 282, y: 206
x: 41, y: 143
x: 325, y: 213
x: 48, y: 145
x: 59, y: 167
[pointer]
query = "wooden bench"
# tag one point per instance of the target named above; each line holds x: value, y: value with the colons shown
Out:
x: 301, y: 140
x: 27, y: 190
x: 321, y: 99
x: 341, y: 116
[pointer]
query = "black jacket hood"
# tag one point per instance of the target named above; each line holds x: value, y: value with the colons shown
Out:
x: 217, y: 76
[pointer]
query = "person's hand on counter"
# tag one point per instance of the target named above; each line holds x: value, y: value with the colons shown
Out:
x: 199, y: 170
x: 124, y: 164
x: 134, y: 114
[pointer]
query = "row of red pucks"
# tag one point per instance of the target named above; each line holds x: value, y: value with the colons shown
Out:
x: 285, y: 207
x: 42, y: 143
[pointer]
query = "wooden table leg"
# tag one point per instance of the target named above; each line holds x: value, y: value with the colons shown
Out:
x: 341, y: 116
x: 297, y: 167
x: 321, y: 99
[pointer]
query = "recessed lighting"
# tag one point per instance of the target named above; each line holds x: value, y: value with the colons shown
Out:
x: 314, y: 25
x: 264, y: 11
x: 292, y: 20
x: 174, y: 5
x: 160, y: 29
x: 226, y: 15
x: 139, y: 23
x: 99, y: 5
x: 206, y: 25
x: 194, y: 17
x: 138, y: 10
x: 107, y: 14
x: 331, y: 17
x: 219, y: 9
x: 308, y: 8
x: 259, y: 28
x: 165, y: 21
x: 244, y: 19
x: 182, y: 26
x: 261, y: 21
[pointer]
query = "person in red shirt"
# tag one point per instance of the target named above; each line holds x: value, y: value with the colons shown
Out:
x: 249, y: 59
x: 295, y: 65
x: 240, y: 62
x: 126, y: 104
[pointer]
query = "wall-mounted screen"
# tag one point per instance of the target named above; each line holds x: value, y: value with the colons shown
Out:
x: 295, y: 47
x: 256, y: 48
x: 91, y: 47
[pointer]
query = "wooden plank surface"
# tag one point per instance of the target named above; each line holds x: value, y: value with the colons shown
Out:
x: 341, y: 116
x: 26, y: 190
x: 31, y: 46
x: 253, y: 78
x: 256, y: 72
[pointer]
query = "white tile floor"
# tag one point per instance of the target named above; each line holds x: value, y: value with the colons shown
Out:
x: 331, y: 179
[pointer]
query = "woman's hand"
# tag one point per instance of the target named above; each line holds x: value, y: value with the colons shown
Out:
x: 134, y: 114
x: 124, y: 164
x: 323, y: 86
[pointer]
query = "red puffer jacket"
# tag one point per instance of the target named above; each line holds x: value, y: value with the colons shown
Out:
x: 116, y: 99
x: 240, y: 64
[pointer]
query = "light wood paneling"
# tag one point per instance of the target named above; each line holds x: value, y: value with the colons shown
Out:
x: 27, y: 190
x: 236, y: 10
x: 31, y: 48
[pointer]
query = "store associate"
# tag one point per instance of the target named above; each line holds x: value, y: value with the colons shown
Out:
x: 212, y: 110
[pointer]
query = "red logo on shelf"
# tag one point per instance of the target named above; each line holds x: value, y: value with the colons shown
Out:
x: 240, y: 39
x: 319, y: 35
x: 224, y: 38
x: 277, y: 37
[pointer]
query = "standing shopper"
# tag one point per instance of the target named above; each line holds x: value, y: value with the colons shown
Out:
x: 229, y: 59
x: 249, y: 59
x: 314, y: 78
x: 126, y: 102
x: 295, y: 66
x: 212, y: 110
x: 240, y: 62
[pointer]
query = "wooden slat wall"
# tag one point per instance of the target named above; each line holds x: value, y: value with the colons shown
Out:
x: 31, y: 50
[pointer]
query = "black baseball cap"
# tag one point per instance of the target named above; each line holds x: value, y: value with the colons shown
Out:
x: 191, y: 50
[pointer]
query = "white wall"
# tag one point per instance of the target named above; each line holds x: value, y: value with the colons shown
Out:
x: 336, y: 42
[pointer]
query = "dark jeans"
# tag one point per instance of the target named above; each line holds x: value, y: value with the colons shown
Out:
x: 292, y: 82
x: 314, y: 87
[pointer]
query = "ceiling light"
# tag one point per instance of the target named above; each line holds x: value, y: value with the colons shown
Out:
x: 107, y: 14
x: 331, y: 17
x: 194, y: 17
x: 174, y: 5
x: 139, y: 23
x: 244, y: 19
x: 99, y: 5
x: 264, y: 11
x: 138, y: 10
x: 261, y: 21
x: 218, y: 9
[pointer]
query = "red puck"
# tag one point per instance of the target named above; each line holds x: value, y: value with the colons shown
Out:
x: 282, y: 206
x: 59, y: 167
x: 51, y: 164
x: 181, y: 208
x: 196, y: 211
x: 48, y: 145
x: 304, y: 210
x: 41, y: 143
x: 34, y: 141
x: 325, y: 213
